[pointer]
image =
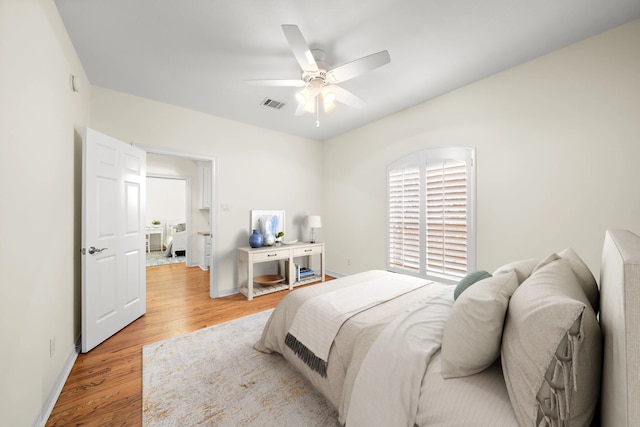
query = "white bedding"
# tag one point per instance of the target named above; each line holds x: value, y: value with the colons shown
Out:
x: 479, y: 400
x: 351, y: 346
x: 176, y: 237
x: 398, y: 359
x: 319, y: 319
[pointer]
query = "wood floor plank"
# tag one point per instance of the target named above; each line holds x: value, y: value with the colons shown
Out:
x: 104, y: 387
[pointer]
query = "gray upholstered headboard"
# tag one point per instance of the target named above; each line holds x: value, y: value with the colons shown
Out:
x: 620, y: 322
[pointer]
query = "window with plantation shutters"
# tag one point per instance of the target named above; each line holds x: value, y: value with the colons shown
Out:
x: 430, y: 205
x: 404, y: 218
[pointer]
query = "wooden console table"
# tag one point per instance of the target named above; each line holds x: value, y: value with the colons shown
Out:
x: 248, y: 256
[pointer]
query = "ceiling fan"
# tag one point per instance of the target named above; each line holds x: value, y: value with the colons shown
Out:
x: 318, y: 80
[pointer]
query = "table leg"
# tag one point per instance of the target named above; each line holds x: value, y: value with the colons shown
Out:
x: 240, y: 268
x: 249, y: 281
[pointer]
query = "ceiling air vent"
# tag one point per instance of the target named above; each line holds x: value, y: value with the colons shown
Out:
x: 268, y: 102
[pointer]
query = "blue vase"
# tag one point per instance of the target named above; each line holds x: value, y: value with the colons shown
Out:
x: 255, y: 240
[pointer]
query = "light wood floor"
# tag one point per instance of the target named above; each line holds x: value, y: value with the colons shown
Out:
x: 104, y: 387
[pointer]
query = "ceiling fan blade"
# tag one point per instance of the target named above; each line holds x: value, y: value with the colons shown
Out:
x: 300, y: 48
x: 288, y: 83
x: 359, y: 66
x: 345, y: 97
x: 300, y: 110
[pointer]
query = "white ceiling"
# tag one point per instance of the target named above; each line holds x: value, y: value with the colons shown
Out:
x: 197, y: 53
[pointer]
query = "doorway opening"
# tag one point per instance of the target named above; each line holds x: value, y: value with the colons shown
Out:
x: 168, y: 219
x: 200, y: 174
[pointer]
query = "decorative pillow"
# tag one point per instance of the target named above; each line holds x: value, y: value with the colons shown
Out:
x: 585, y: 277
x: 551, y: 349
x: 472, y: 334
x: 469, y: 280
x: 523, y: 268
x: 548, y: 260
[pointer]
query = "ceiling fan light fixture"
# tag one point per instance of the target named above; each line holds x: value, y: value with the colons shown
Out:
x: 328, y: 106
x: 307, y: 98
x: 328, y: 99
x: 303, y: 96
x: 310, y: 105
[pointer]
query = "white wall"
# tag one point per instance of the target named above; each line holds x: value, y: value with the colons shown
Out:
x: 257, y: 168
x: 40, y: 164
x: 558, y: 143
x: 166, y: 200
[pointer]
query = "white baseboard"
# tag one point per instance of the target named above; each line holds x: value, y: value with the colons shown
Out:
x: 228, y: 292
x: 334, y: 274
x: 56, y: 388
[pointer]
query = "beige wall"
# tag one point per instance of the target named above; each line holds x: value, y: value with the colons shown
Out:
x: 257, y: 168
x: 39, y: 204
x: 558, y: 143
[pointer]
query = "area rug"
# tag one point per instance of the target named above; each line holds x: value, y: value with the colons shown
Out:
x: 159, y: 258
x: 214, y: 377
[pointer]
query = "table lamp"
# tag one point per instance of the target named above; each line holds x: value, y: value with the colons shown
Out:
x: 313, y: 222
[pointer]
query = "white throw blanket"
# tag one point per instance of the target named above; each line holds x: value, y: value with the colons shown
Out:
x: 398, y: 359
x: 319, y: 319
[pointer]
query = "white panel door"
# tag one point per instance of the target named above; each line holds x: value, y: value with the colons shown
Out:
x: 113, y: 236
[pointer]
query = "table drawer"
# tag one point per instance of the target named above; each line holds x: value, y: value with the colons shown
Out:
x: 271, y: 255
x: 310, y: 250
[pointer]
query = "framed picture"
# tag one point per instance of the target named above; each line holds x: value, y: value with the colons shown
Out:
x: 261, y: 219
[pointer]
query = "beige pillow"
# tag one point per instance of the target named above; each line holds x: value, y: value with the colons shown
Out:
x: 523, y: 268
x: 551, y: 349
x: 548, y: 260
x: 585, y: 277
x: 472, y: 334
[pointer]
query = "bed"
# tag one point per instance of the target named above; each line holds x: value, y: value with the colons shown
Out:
x: 176, y: 237
x: 522, y: 345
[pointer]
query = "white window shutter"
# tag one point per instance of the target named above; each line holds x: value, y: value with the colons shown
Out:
x: 430, y: 201
x: 404, y: 218
x: 446, y: 217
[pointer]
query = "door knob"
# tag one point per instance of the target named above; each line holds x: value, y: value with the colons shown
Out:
x: 93, y: 250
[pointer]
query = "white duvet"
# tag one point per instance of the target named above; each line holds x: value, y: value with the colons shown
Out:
x: 409, y: 325
x: 398, y: 359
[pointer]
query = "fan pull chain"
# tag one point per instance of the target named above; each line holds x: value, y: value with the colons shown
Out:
x: 317, y: 111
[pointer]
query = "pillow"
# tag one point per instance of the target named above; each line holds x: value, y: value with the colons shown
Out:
x: 546, y: 261
x: 472, y: 334
x: 469, y: 280
x: 552, y: 349
x: 585, y: 277
x: 582, y: 272
x: 523, y: 268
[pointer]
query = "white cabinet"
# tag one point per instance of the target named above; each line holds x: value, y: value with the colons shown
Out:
x: 204, y: 178
x: 151, y: 233
x: 204, y: 249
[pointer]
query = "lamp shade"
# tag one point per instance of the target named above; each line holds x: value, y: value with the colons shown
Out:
x: 314, y: 221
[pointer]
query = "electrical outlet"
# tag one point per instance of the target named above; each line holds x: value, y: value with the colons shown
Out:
x: 52, y: 346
